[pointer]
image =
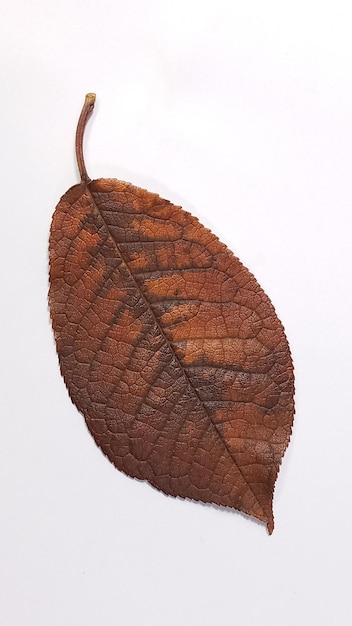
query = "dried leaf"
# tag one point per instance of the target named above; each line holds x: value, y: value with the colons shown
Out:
x: 168, y: 345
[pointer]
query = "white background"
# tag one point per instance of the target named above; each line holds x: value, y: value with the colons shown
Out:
x: 241, y: 112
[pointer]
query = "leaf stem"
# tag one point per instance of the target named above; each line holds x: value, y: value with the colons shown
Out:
x: 82, y: 122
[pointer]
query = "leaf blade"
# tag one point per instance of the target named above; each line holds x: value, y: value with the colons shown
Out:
x: 159, y: 278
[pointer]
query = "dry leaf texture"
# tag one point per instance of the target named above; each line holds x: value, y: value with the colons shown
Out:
x: 169, y: 347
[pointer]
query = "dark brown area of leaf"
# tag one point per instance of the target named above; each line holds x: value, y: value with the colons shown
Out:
x: 169, y: 347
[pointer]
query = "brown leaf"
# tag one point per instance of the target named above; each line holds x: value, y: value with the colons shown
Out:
x: 168, y: 345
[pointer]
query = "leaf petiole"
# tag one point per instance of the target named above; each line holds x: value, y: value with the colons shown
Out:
x: 82, y: 122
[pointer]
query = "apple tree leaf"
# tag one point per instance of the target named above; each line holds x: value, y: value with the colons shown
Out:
x: 168, y: 345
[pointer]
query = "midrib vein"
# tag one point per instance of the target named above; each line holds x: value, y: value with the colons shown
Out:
x: 169, y: 343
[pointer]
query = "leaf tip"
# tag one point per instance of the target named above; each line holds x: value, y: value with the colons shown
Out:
x: 270, y: 522
x: 270, y: 526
